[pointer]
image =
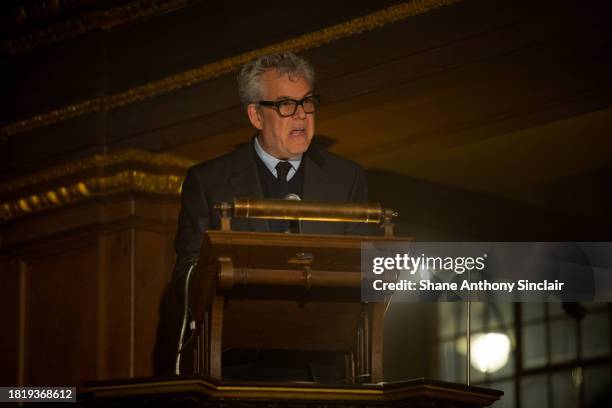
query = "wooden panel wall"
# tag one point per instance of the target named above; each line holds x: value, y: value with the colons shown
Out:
x: 154, y: 256
x: 115, y: 353
x: 92, y: 293
x: 60, y: 333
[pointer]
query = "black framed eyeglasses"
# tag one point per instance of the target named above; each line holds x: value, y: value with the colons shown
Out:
x: 288, y: 107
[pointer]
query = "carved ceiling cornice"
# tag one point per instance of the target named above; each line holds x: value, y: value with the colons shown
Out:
x: 50, y: 15
x: 228, y: 65
x: 99, y: 175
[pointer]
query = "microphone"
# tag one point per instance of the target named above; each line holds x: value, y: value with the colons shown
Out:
x: 295, y: 226
x: 293, y: 197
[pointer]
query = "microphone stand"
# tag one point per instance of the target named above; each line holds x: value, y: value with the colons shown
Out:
x: 468, y: 328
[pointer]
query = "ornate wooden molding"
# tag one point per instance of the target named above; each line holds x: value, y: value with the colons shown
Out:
x: 138, y: 157
x: 225, y: 66
x: 98, y: 19
x: 129, y: 170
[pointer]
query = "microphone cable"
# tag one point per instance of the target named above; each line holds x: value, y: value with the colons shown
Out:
x: 181, y: 348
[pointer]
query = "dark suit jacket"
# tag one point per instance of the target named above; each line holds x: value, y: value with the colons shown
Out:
x: 327, y: 177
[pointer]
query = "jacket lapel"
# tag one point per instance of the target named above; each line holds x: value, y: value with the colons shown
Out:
x: 245, y: 183
x: 316, y: 187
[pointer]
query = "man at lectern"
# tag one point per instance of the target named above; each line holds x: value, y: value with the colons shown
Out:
x: 278, y: 94
x: 281, y: 103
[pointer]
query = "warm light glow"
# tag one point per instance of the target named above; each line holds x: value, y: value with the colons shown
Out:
x: 490, y: 351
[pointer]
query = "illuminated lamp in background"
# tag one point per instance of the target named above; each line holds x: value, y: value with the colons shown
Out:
x: 490, y: 351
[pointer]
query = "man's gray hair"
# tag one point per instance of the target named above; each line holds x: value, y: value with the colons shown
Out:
x: 287, y: 63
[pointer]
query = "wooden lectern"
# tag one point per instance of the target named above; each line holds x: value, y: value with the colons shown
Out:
x: 285, y: 292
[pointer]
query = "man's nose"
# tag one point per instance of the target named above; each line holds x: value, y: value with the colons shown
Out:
x: 300, y: 112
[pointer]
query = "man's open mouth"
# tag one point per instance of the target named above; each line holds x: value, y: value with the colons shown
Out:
x: 298, y: 131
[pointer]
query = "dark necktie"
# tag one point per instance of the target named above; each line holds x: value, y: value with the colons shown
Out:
x: 282, y: 169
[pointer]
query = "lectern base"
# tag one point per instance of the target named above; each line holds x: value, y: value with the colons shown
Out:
x: 201, y: 392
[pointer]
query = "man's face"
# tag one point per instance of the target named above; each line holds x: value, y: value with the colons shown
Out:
x: 283, y: 137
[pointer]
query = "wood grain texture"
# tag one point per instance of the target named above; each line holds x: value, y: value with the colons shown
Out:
x: 151, y: 274
x: 61, y: 336
x: 289, y: 325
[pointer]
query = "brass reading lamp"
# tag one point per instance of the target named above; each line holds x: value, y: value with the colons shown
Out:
x: 306, y: 211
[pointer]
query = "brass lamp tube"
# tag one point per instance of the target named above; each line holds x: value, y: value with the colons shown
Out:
x: 309, y: 210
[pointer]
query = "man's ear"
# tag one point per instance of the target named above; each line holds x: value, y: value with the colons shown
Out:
x: 254, y: 116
